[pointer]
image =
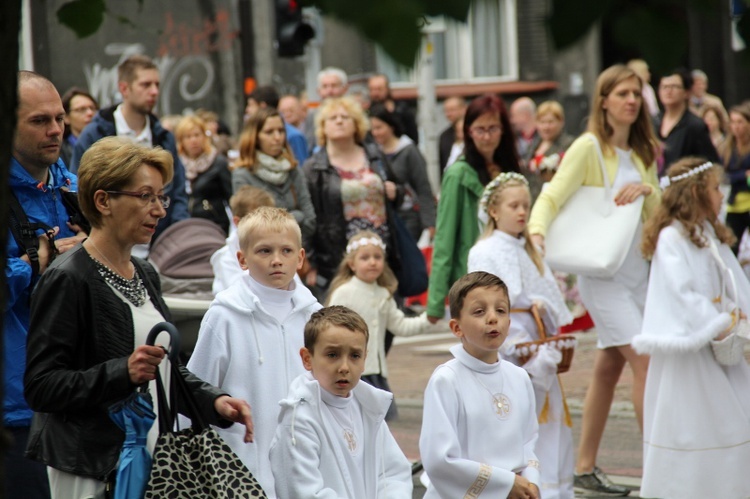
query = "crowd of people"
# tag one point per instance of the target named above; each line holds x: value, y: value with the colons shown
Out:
x: 310, y: 201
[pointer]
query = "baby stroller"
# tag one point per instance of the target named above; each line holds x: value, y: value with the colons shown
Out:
x: 182, y: 257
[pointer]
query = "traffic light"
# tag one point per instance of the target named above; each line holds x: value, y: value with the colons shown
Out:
x: 292, y: 33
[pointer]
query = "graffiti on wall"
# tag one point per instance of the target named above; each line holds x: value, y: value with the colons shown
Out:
x: 188, y: 73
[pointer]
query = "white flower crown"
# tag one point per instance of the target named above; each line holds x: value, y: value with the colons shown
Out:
x: 355, y: 245
x: 500, y: 179
x: 666, y: 181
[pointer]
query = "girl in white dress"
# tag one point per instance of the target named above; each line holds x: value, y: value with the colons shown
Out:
x: 696, y: 435
x: 505, y: 250
x: 365, y: 283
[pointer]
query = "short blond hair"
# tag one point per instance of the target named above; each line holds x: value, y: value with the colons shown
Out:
x: 110, y: 163
x: 248, y: 198
x: 550, y: 107
x: 361, y: 124
x: 267, y: 218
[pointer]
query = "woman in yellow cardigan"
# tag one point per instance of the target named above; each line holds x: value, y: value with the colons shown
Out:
x: 620, y: 123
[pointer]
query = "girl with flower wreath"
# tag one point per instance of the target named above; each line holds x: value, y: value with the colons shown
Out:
x: 504, y: 249
x: 696, y: 436
x: 365, y: 283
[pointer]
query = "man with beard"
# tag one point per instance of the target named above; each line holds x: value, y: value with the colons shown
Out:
x: 138, y: 83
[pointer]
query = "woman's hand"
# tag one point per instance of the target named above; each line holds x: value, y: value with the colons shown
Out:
x: 238, y: 411
x: 630, y: 193
x: 390, y: 190
x: 538, y: 241
x: 143, y: 363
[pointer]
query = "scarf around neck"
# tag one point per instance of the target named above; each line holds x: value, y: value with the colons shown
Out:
x: 272, y: 170
x: 196, y: 166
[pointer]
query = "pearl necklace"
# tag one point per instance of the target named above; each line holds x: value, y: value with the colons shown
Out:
x: 501, y: 405
x: 132, y: 289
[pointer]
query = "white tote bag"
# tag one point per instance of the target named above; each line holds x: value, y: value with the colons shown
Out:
x: 591, y: 235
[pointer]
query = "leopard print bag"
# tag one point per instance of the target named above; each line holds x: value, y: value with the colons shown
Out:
x: 194, y: 462
x: 187, y: 465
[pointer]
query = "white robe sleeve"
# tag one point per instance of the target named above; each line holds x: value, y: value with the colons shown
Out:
x: 296, y: 465
x: 679, y: 314
x: 743, y: 286
x: 211, y: 356
x: 451, y: 474
x: 395, y: 481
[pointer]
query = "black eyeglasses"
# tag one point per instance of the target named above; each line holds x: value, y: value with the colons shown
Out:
x: 145, y: 197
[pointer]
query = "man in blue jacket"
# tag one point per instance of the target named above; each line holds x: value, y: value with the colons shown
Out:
x: 138, y: 83
x: 37, y: 177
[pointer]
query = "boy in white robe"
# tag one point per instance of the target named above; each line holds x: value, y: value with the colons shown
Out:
x: 479, y: 427
x: 251, y: 334
x: 332, y: 440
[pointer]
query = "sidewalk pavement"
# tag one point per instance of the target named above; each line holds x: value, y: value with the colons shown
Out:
x: 412, y: 360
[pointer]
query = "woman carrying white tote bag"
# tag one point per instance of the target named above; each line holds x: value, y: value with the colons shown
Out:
x: 620, y: 126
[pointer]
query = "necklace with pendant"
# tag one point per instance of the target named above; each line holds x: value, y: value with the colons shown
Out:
x: 349, y: 436
x: 500, y: 402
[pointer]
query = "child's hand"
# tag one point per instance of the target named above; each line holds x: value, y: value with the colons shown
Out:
x: 523, y: 489
x: 540, y: 306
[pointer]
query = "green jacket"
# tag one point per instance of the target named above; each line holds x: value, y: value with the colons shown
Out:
x: 456, y: 231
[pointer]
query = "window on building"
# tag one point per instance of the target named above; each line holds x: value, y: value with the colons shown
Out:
x: 485, y: 48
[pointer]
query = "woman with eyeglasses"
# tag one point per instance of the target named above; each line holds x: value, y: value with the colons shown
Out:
x: 80, y: 108
x: 350, y: 184
x: 620, y: 123
x: 90, y: 315
x: 489, y: 149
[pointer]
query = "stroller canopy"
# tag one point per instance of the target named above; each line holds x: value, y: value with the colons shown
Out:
x: 184, y: 249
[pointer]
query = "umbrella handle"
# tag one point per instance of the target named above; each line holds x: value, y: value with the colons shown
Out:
x: 174, y: 334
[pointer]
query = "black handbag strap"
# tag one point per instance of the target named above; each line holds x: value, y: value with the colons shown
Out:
x: 180, y: 396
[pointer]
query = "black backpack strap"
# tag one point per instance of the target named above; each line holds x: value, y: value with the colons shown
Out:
x: 24, y: 232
